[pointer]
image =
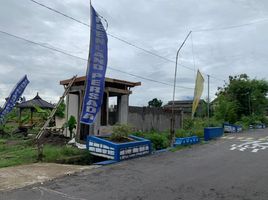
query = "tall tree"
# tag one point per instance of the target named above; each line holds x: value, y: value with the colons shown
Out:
x: 155, y: 103
x: 241, y: 97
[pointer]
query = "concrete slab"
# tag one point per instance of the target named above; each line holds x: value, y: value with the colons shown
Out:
x: 20, y: 176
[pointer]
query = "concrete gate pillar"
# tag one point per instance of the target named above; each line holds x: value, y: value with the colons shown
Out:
x: 122, y: 105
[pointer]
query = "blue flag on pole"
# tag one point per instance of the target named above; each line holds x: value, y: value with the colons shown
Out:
x: 14, y: 97
x: 96, y: 69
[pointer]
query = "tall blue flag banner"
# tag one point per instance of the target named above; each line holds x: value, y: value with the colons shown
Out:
x: 96, y: 69
x: 14, y: 97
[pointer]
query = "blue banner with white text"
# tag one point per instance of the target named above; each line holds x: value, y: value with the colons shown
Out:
x: 14, y: 97
x: 96, y: 69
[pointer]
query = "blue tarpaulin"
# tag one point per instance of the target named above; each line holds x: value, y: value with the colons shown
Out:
x: 96, y: 69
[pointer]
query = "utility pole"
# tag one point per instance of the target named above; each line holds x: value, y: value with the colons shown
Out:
x: 208, y: 98
x: 172, y: 124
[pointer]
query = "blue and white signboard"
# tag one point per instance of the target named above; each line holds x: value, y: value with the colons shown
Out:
x: 96, y: 69
x: 14, y: 97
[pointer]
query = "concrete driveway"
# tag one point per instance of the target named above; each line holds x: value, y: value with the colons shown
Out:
x: 233, y: 167
x: 24, y: 175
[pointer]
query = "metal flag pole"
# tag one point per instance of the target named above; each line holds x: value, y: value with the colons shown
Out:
x: 172, y: 127
x: 208, y: 99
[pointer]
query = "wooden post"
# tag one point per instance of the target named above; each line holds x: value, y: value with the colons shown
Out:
x: 20, y: 123
x: 31, y: 116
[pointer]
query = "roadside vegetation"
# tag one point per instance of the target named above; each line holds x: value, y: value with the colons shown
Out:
x: 17, y: 148
x: 242, y: 101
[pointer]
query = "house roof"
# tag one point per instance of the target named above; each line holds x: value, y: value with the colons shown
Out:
x: 185, y: 105
x: 36, y: 101
x: 183, y: 102
x: 107, y: 80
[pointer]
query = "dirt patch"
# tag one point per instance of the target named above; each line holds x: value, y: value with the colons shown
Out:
x: 58, y: 140
x: 119, y: 140
x: 20, y: 176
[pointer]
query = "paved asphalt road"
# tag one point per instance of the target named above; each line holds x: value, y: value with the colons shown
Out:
x: 220, y: 169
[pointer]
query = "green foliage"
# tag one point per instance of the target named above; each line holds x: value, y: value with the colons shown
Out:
x: 12, y: 116
x: 15, y: 151
x: 241, y: 97
x: 196, y: 126
x: 2, y: 131
x: 252, y: 120
x: 25, y: 119
x: 61, y: 110
x: 226, y: 110
x: 156, y: 103
x: 71, y: 124
x: 120, y: 131
x: 159, y: 140
x: 188, y: 123
x: 44, y: 112
x: 54, y: 153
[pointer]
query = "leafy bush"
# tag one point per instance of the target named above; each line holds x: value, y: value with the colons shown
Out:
x: 159, y: 140
x: 71, y: 124
x: 61, y: 110
x: 120, y: 132
x: 188, y: 123
x: 52, y: 153
x: 183, y: 133
x: 196, y: 126
x: 252, y: 120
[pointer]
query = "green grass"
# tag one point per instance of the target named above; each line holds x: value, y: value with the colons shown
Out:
x: 54, y: 153
x: 14, y: 151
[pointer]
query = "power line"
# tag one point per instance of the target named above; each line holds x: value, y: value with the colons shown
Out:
x: 149, y: 79
x: 77, y: 57
x: 118, y: 38
x: 231, y: 26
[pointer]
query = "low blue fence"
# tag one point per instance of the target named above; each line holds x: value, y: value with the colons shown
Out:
x: 231, y: 128
x: 118, y: 151
x: 212, y: 132
x: 257, y: 126
x: 186, y: 141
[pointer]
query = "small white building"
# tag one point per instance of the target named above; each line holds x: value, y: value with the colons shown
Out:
x: 119, y: 90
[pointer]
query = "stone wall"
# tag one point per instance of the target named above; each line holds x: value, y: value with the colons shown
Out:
x: 146, y: 119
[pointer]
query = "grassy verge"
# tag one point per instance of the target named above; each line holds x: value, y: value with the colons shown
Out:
x: 18, y: 151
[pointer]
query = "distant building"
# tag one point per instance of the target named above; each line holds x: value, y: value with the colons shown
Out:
x: 185, y: 106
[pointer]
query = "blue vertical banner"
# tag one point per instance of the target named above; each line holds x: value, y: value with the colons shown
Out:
x: 96, y: 69
x: 14, y: 97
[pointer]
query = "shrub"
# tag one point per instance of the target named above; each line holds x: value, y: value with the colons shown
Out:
x: 182, y: 133
x: 120, y: 132
x: 159, y: 140
x: 188, y: 123
x: 71, y: 124
x: 196, y: 126
x: 61, y: 110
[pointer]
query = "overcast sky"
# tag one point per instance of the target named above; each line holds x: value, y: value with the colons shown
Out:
x: 159, y: 26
